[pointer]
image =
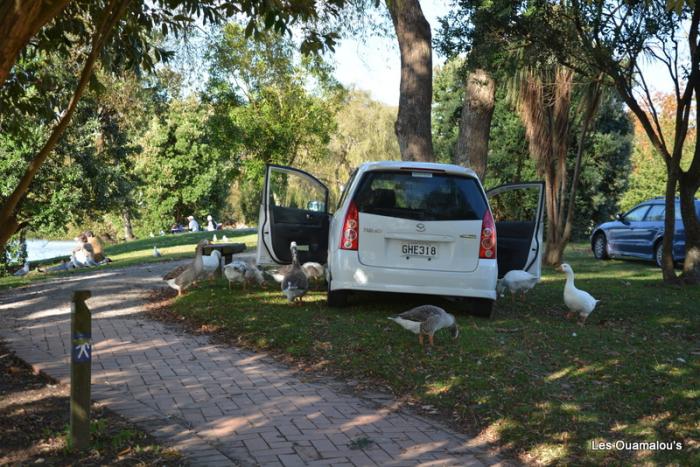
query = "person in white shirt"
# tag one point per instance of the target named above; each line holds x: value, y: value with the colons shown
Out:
x: 193, y: 225
x: 211, y: 225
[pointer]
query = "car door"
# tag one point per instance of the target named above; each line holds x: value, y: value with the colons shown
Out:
x: 647, y: 231
x: 294, y: 208
x: 518, y: 212
x: 625, y: 237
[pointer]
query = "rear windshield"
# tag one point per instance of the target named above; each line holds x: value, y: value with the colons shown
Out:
x: 420, y: 196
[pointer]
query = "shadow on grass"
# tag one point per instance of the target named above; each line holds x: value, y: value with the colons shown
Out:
x: 529, y: 379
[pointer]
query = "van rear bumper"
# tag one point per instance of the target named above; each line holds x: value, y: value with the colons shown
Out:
x: 347, y: 273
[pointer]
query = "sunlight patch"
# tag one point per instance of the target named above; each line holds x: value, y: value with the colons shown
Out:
x: 558, y: 374
x: 548, y: 453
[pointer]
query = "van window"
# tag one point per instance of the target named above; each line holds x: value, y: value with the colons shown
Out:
x: 420, y: 196
x: 346, y: 188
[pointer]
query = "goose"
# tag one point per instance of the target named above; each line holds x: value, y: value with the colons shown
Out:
x: 279, y: 274
x: 424, y: 320
x: 214, y: 239
x: 516, y: 281
x: 242, y: 272
x: 313, y: 270
x: 162, y: 233
x: 151, y: 235
x: 295, y: 284
x: 578, y: 301
x: 224, y: 239
x: 181, y: 278
x: 24, y: 270
x: 156, y: 252
x: 211, y: 262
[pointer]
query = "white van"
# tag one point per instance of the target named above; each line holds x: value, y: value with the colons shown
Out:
x: 404, y: 227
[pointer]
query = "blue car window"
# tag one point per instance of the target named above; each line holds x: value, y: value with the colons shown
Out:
x: 636, y: 214
x: 656, y: 213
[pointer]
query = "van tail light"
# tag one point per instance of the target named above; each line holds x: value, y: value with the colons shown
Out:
x: 350, y: 236
x: 487, y: 242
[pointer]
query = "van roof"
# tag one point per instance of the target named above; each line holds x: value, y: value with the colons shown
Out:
x: 433, y: 166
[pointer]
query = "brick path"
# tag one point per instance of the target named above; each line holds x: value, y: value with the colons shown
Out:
x: 218, y: 405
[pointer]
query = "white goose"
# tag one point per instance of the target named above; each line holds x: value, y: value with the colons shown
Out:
x: 238, y: 271
x: 211, y: 262
x: 424, y: 320
x: 516, y: 281
x: 156, y: 252
x: 24, y: 270
x: 578, y: 301
x: 314, y: 270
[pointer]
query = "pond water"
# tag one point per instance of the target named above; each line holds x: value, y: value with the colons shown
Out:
x: 42, y: 249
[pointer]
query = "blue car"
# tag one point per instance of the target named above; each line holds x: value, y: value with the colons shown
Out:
x: 638, y: 234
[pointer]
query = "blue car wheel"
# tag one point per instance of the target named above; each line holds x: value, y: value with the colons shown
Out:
x: 659, y: 254
x: 600, y: 246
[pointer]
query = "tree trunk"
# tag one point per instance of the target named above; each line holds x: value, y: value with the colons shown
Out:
x: 20, y: 20
x: 691, y: 266
x: 475, y: 125
x: 8, y: 213
x: 669, y: 275
x: 128, y: 230
x: 413, y: 128
x: 552, y: 250
x: 544, y: 111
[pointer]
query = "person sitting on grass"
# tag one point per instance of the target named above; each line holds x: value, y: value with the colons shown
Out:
x: 193, y: 225
x: 82, y: 255
x: 96, y: 245
x: 211, y: 224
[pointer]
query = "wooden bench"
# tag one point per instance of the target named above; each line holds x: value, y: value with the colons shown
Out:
x: 227, y: 251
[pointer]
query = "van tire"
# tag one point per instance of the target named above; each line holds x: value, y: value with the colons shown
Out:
x: 482, y: 307
x: 337, y: 298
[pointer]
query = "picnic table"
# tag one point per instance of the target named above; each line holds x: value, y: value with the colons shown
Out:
x: 227, y: 251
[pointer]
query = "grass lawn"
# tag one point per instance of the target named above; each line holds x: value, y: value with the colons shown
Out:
x: 125, y: 254
x: 528, y: 379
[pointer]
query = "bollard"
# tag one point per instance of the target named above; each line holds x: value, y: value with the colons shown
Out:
x: 80, y: 371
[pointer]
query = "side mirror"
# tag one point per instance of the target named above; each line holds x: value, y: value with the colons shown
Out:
x: 620, y: 217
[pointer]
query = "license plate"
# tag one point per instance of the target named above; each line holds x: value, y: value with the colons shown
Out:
x: 418, y: 249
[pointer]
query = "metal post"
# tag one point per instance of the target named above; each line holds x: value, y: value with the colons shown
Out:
x: 80, y: 370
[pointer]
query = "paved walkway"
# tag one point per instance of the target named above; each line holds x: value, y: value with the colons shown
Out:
x: 216, y: 404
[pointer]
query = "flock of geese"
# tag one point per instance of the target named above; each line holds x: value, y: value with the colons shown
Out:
x: 294, y: 279
x: 424, y: 320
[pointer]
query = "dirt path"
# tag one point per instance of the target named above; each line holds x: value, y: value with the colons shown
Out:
x: 218, y: 405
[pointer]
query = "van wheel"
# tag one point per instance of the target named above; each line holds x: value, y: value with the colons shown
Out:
x: 337, y: 298
x: 482, y: 307
x: 600, y: 247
